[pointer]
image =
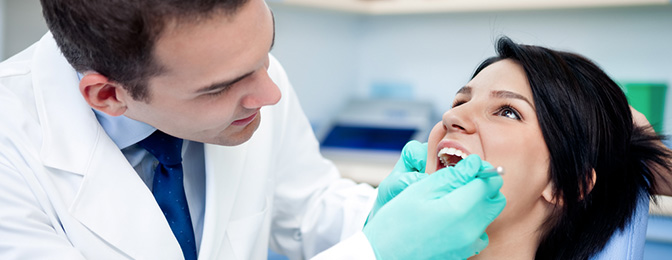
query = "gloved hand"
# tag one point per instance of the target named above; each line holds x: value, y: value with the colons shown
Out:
x: 409, y: 169
x: 441, y: 216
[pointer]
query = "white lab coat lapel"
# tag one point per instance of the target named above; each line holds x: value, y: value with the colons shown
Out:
x: 223, y: 170
x: 112, y: 202
x: 237, y: 213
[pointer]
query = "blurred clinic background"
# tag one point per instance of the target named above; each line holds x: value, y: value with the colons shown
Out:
x: 373, y: 74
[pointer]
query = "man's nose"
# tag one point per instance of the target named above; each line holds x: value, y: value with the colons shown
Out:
x: 265, y: 92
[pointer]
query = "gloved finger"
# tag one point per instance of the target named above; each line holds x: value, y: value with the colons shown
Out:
x: 475, y: 248
x: 481, y: 243
x: 391, y: 186
x: 464, y: 198
x: 494, y: 183
x: 396, y: 182
x: 450, y: 178
x: 479, y: 188
x: 468, y: 206
x: 477, y: 202
x: 497, y: 203
x: 409, y: 178
x: 485, y: 165
x: 413, y: 157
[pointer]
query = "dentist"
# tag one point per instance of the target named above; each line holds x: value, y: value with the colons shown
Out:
x: 165, y: 130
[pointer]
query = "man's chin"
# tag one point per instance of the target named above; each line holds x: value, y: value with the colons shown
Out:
x: 237, y: 136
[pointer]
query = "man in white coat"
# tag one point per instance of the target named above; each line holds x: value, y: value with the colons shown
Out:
x: 76, y: 182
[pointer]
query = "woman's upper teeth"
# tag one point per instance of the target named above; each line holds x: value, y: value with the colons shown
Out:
x: 452, y: 151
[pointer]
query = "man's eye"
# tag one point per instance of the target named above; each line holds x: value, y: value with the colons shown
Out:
x: 509, y: 112
x: 217, y: 93
x: 458, y: 103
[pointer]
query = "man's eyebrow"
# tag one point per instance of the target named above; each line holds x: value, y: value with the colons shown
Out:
x: 222, y: 85
x: 509, y: 94
x: 226, y: 84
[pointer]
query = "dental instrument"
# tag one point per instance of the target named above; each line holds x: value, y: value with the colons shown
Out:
x: 487, y: 173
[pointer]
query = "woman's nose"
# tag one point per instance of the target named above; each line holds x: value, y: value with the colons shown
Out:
x: 459, y: 119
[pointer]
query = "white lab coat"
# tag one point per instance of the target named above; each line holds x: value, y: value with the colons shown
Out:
x: 67, y: 192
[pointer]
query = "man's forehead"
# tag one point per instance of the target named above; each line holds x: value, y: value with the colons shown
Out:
x: 217, y: 49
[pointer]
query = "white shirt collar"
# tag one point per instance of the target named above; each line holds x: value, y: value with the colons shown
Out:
x: 123, y: 130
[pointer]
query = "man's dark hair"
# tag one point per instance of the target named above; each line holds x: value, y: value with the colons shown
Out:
x: 587, y: 125
x: 116, y: 38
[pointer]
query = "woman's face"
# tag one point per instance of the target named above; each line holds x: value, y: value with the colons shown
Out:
x: 494, y: 116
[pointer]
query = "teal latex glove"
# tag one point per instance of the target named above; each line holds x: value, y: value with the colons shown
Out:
x: 409, y: 169
x: 442, y: 216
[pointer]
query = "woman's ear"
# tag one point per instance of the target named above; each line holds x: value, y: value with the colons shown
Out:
x: 549, y: 196
x: 102, y: 94
x: 591, y: 184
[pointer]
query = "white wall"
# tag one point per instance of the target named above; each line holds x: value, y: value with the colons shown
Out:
x: 437, y: 53
x: 23, y: 25
x: 3, y: 23
x: 320, y: 51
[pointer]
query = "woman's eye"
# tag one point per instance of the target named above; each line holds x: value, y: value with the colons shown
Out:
x: 458, y: 102
x: 509, y: 112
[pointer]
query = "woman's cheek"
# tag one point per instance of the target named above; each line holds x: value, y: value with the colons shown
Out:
x: 435, y: 137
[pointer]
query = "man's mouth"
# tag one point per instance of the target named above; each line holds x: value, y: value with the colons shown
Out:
x: 449, y: 157
x: 246, y: 120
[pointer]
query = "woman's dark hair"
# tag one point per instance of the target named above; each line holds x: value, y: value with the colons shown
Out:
x: 116, y: 37
x: 587, y: 125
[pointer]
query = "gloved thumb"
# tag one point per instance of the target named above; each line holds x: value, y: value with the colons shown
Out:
x: 452, y: 178
x: 413, y: 158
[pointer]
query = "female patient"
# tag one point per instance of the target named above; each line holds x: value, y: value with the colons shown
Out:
x: 562, y: 129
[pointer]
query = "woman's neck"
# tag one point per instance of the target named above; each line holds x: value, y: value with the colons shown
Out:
x: 514, y: 238
x: 514, y: 245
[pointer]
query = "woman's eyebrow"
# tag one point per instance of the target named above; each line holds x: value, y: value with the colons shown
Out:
x: 466, y: 90
x: 509, y: 94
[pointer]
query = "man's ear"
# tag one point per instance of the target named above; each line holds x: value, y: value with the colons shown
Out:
x: 102, y: 94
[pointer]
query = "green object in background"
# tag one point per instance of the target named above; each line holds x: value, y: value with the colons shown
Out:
x: 649, y: 99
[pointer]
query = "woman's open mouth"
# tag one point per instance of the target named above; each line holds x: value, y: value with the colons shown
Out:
x: 448, y: 157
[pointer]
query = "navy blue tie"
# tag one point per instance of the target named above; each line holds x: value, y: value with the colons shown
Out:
x: 168, y: 188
